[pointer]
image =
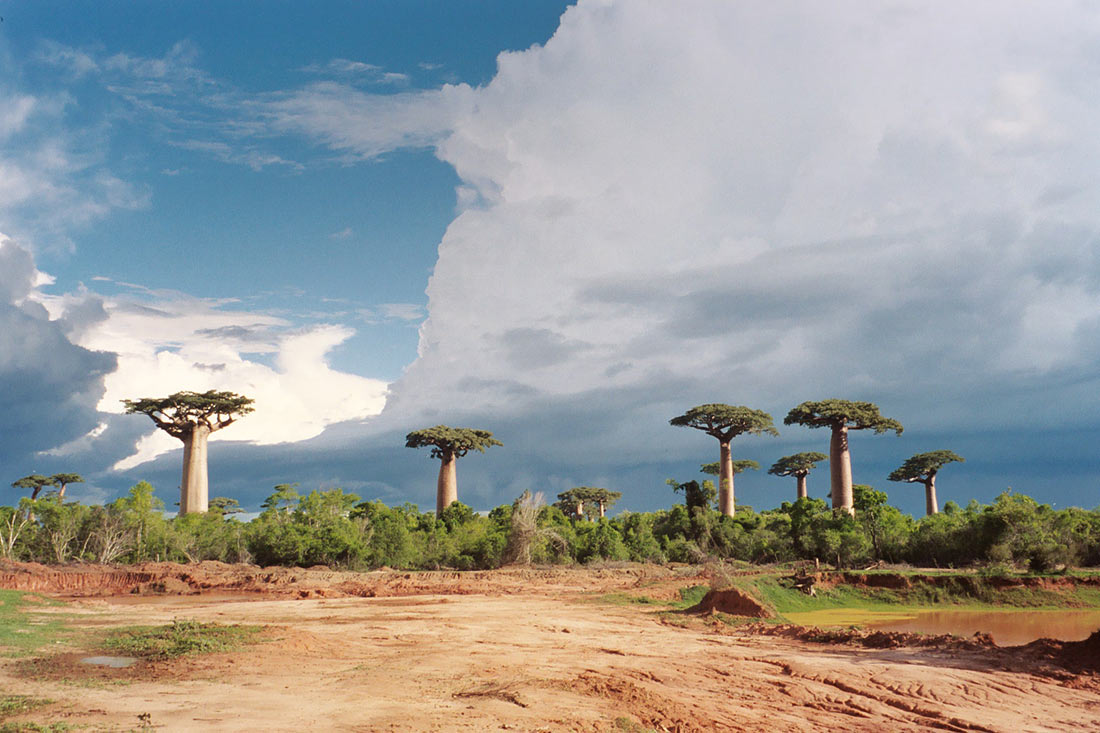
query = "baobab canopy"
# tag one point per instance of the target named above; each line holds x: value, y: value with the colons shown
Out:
x: 842, y: 413
x: 179, y: 413
x: 922, y: 469
x: 447, y: 441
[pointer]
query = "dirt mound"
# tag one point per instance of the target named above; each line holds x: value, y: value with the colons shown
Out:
x: 871, y: 639
x: 733, y: 601
x: 1080, y: 657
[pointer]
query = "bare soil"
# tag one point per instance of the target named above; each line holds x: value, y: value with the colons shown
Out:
x: 518, y: 649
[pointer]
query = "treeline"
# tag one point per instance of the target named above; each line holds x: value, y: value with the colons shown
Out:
x: 335, y: 528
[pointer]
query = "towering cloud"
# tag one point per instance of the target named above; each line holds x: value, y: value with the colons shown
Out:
x: 767, y: 202
x: 49, y: 386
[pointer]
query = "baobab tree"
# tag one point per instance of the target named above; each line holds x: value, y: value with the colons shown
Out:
x: 922, y: 469
x: 448, y: 445
x: 841, y: 416
x: 799, y: 465
x: 35, y: 482
x: 576, y: 500
x: 726, y: 422
x: 191, y: 417
x: 61, y: 480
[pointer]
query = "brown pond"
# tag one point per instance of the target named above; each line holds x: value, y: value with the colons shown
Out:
x: 1008, y: 628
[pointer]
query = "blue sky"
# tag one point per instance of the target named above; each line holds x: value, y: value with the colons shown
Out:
x: 563, y: 223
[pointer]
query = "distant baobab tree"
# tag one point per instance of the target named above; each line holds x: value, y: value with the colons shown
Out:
x: 799, y: 465
x: 922, y: 469
x: 448, y: 445
x: 726, y: 422
x: 191, y: 417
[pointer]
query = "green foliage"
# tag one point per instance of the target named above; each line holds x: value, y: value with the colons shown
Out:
x: 696, y: 495
x: 447, y: 442
x: 35, y: 483
x: 842, y: 413
x: 800, y: 464
x: 726, y: 422
x: 180, y: 638
x: 592, y: 502
x: 740, y: 466
x: 17, y: 704
x: 178, y: 414
x: 923, y: 467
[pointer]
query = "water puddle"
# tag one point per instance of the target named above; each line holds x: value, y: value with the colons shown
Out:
x: 1008, y: 628
x: 115, y: 662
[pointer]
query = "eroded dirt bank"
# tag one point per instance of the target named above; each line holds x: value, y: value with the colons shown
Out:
x: 529, y: 650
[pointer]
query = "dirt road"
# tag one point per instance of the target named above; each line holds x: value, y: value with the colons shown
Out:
x: 534, y: 661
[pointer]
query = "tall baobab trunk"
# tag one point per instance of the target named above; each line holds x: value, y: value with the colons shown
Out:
x: 802, y: 494
x: 603, y: 510
x: 194, y: 486
x: 446, y: 488
x: 931, y: 506
x: 840, y: 469
x: 725, y: 480
x: 580, y: 510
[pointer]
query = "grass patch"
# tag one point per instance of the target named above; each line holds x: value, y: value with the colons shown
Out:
x: 23, y: 632
x: 179, y: 638
x: 29, y: 727
x: 17, y: 704
x: 689, y: 596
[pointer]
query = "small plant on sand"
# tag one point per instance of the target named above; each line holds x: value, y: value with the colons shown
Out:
x: 16, y: 704
x: 179, y: 638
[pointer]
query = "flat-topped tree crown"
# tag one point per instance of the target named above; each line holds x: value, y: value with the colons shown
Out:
x: 922, y: 469
x: 841, y: 416
x: 726, y: 422
x: 800, y: 464
x: 180, y: 413
x: 35, y: 482
x: 191, y: 417
x: 448, y: 445
x: 451, y: 442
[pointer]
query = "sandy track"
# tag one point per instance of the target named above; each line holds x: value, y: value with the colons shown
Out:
x: 527, y: 662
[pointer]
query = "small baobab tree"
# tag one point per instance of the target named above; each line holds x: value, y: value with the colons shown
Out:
x: 726, y: 422
x: 61, y: 480
x: 577, y: 501
x: 448, y: 445
x: 799, y: 465
x: 191, y: 417
x: 841, y: 416
x: 922, y: 469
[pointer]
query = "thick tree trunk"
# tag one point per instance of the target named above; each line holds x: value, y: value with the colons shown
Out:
x: 580, y: 510
x: 194, y: 489
x: 603, y: 510
x: 840, y: 470
x: 931, y: 506
x: 446, y: 488
x: 725, y: 480
x: 802, y: 494
x: 61, y: 493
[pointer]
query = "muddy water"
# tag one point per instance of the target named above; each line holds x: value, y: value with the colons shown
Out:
x: 1008, y: 628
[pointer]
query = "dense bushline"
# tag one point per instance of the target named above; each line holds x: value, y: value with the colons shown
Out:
x: 334, y: 528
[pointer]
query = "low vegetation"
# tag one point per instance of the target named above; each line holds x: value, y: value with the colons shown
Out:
x: 335, y: 528
x: 179, y: 638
